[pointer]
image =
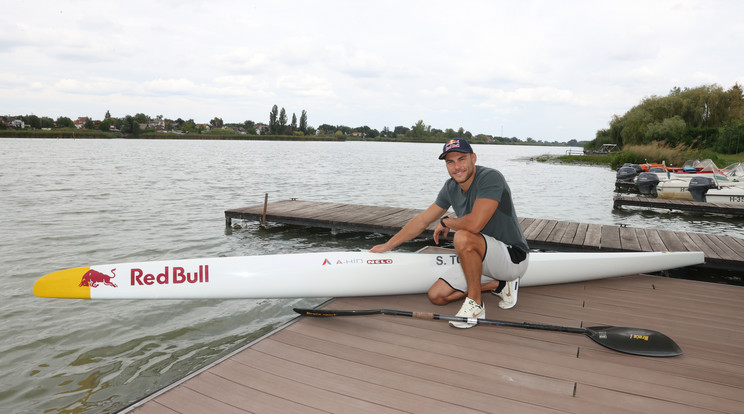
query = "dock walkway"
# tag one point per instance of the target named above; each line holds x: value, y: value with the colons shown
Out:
x: 720, y: 251
x: 388, y: 364
x: 682, y: 205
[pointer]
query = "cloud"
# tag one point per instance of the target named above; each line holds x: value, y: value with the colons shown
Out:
x: 173, y: 86
x: 306, y: 85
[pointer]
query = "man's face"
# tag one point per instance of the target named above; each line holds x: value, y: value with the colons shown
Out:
x: 461, y: 166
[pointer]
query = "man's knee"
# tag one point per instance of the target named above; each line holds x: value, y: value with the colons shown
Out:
x: 467, y: 241
x: 438, y: 293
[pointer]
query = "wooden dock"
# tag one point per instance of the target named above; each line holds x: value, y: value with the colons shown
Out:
x: 682, y: 205
x: 720, y: 251
x: 387, y: 364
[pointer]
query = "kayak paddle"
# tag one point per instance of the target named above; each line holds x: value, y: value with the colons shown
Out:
x: 644, y: 342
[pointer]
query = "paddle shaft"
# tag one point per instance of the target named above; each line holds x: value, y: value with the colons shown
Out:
x: 428, y: 315
x: 634, y: 341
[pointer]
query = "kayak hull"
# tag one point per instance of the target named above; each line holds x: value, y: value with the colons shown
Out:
x: 327, y: 274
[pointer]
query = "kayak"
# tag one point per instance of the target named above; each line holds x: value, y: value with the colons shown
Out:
x: 325, y: 274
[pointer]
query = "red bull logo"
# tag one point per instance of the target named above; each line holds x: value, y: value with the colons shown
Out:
x: 176, y: 275
x: 93, y: 278
x: 453, y: 143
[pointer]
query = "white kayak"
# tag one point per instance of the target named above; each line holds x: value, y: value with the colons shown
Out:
x: 329, y: 274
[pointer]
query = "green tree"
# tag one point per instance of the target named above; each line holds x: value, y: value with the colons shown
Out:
x: 282, y: 121
x: 32, y: 120
x: 89, y: 124
x: 64, y: 122
x: 47, y: 122
x: 303, y: 122
x: 294, y: 122
x: 273, y: 123
x: 105, y: 125
x: 419, y: 130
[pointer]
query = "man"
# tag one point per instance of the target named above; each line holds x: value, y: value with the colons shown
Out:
x: 492, y: 250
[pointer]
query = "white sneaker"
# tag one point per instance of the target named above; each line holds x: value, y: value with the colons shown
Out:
x: 470, y: 310
x: 508, y: 294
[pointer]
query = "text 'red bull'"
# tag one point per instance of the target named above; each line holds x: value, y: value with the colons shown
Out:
x: 176, y: 275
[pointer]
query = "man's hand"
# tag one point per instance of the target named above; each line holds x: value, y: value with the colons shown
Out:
x: 380, y: 248
x: 444, y: 231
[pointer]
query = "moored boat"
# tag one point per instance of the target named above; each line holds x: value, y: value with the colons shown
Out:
x: 726, y: 195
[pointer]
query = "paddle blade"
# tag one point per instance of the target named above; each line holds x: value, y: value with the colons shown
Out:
x: 644, y: 342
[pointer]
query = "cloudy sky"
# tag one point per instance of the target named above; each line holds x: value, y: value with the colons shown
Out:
x: 551, y: 70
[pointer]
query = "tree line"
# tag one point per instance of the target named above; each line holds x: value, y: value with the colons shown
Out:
x: 279, y: 124
x: 705, y: 117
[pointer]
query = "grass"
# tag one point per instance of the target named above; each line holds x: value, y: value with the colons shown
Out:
x: 655, y: 152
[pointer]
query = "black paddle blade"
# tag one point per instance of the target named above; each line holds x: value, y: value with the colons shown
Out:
x: 336, y: 312
x: 644, y: 342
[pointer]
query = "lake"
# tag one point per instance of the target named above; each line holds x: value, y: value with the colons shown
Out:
x: 69, y: 203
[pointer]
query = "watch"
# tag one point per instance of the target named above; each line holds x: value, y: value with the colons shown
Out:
x: 441, y: 221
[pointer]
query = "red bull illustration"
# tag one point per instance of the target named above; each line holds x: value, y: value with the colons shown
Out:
x: 93, y: 278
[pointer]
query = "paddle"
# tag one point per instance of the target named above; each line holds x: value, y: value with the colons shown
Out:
x: 634, y: 341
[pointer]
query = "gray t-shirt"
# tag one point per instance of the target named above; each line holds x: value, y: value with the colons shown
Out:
x: 491, y: 184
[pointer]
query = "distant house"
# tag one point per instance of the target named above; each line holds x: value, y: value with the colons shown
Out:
x: 18, y: 123
x: 80, y: 122
x: 261, y: 129
x: 156, y: 124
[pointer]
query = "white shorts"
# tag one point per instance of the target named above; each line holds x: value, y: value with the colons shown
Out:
x: 497, y: 265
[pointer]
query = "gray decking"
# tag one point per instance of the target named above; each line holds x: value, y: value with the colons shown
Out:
x: 395, y: 364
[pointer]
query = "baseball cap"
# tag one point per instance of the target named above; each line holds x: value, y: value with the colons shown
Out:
x: 456, y: 145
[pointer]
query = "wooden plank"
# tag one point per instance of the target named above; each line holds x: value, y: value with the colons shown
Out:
x: 580, y: 237
x: 545, y: 232
x: 655, y: 241
x: 610, y: 238
x: 535, y: 229
x: 629, y: 240
x: 570, y: 234
x: 557, y: 234
x: 593, y: 239
x: 643, y: 243
x: 671, y: 241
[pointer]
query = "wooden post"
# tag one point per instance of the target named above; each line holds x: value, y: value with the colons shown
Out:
x: 263, y: 218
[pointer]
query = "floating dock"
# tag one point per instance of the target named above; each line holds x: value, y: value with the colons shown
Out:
x: 720, y: 251
x: 387, y: 364
x: 681, y: 205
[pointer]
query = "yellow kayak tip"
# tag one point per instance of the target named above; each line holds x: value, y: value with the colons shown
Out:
x: 67, y: 284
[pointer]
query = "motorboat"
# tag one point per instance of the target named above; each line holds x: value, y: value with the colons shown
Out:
x: 627, y: 172
x: 699, y: 186
x: 674, y: 189
x: 733, y: 194
x: 646, y: 182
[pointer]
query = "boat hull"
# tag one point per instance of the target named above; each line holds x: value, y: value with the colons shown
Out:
x: 329, y: 274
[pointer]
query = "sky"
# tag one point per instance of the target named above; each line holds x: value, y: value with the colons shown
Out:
x: 547, y: 70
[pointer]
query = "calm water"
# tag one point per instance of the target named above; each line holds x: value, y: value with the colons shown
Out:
x: 70, y: 203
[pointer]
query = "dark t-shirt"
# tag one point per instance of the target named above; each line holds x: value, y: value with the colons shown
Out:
x: 491, y: 184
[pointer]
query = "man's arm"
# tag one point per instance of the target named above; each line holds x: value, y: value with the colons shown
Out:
x: 476, y: 220
x: 413, y: 228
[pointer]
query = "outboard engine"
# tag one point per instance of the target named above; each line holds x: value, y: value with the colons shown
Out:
x: 625, y: 173
x: 699, y: 186
x: 646, y: 183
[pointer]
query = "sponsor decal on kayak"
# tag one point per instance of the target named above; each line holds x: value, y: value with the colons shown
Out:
x: 448, y: 260
x: 357, y: 261
x: 176, y: 275
x: 380, y: 261
x: 93, y: 278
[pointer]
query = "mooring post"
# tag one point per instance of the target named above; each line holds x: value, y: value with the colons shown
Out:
x: 263, y: 218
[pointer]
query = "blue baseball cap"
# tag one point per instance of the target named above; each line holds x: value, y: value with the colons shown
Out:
x: 456, y: 145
